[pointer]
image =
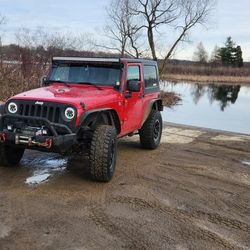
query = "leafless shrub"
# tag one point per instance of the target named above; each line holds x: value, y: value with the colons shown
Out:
x: 170, y: 99
x: 24, y: 65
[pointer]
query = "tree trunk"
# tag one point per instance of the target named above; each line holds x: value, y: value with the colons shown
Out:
x: 171, y: 50
x: 151, y: 42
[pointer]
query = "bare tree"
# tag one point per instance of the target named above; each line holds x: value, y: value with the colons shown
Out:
x: 156, y: 18
x: 122, y: 30
x: 193, y: 12
x: 117, y: 29
x: 154, y: 14
x: 133, y: 32
x: 200, y: 54
x: 38, y: 46
x: 215, y: 56
x: 41, y: 37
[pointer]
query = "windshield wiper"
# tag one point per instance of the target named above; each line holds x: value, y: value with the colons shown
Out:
x: 90, y: 83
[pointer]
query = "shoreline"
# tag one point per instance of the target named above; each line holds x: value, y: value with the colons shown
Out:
x: 203, y: 79
x: 206, y: 129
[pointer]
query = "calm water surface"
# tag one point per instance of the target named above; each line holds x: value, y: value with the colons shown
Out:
x: 223, y: 107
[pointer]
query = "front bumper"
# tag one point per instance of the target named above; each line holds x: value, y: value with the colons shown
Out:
x: 24, y: 131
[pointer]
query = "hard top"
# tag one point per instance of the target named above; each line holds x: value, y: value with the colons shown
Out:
x: 103, y: 59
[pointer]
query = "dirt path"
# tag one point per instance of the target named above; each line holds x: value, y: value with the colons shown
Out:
x: 191, y: 193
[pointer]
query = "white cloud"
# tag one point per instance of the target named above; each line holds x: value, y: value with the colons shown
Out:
x: 231, y: 18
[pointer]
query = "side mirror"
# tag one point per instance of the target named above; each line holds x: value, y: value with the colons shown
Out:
x: 134, y: 86
x: 44, y: 81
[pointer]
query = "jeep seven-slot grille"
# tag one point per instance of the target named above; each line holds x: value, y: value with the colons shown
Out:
x: 51, y: 113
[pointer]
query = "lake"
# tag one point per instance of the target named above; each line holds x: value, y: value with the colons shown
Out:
x: 223, y: 107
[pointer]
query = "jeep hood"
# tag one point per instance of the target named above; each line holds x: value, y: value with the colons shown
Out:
x: 73, y: 94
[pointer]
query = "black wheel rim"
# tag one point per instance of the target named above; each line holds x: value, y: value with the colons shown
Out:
x: 157, y: 130
x: 112, y: 156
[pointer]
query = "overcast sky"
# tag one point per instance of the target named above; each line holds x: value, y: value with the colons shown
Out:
x: 231, y: 18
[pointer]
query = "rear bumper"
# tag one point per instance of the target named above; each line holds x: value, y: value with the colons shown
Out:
x: 53, y: 142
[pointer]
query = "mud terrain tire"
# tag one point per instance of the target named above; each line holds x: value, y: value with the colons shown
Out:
x: 10, y: 156
x: 150, y: 133
x: 103, y: 153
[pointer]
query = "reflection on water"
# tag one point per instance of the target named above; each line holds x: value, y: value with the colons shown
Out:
x: 225, y: 94
x: 224, y: 107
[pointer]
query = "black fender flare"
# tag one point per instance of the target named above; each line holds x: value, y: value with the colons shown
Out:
x: 155, y: 104
x: 110, y: 115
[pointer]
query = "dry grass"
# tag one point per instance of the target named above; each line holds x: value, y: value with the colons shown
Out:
x: 206, y: 73
x: 207, y: 69
x: 207, y: 79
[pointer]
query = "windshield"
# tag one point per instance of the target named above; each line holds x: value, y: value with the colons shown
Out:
x: 86, y: 73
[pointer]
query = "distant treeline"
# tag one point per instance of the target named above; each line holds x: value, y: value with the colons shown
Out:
x: 228, y: 55
x: 21, y: 67
x: 209, y: 69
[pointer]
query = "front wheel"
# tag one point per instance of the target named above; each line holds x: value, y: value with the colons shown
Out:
x: 10, y: 155
x: 103, y: 153
x: 150, y: 133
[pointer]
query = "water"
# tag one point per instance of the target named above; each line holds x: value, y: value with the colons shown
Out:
x: 223, y: 107
x: 43, y: 166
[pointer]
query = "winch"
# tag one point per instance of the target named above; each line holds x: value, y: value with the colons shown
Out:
x: 30, y: 141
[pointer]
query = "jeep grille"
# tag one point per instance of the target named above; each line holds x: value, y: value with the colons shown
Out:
x: 52, y: 113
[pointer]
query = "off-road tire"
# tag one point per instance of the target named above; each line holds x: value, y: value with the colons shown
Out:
x: 150, y: 133
x: 103, y: 153
x: 10, y: 156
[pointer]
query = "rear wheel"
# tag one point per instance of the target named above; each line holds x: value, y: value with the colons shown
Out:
x: 103, y: 153
x: 150, y: 133
x: 10, y: 156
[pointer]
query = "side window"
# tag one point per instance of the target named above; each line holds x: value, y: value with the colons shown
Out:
x: 133, y: 73
x: 150, y: 76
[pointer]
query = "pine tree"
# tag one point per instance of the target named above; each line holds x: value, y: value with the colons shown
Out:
x: 238, y: 54
x: 231, y: 55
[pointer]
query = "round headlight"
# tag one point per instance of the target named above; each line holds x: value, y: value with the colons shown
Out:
x: 12, y: 107
x: 69, y: 113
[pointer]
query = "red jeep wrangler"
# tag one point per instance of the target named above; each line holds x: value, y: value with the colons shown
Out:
x: 84, y: 105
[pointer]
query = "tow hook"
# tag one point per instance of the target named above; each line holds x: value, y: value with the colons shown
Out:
x: 49, y: 143
x: 2, y: 137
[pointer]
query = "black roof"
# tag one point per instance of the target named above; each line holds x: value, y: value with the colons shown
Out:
x: 102, y: 59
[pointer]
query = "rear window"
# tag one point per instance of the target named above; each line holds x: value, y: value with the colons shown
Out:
x: 150, y: 76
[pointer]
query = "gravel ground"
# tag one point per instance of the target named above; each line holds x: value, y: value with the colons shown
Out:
x: 191, y: 193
